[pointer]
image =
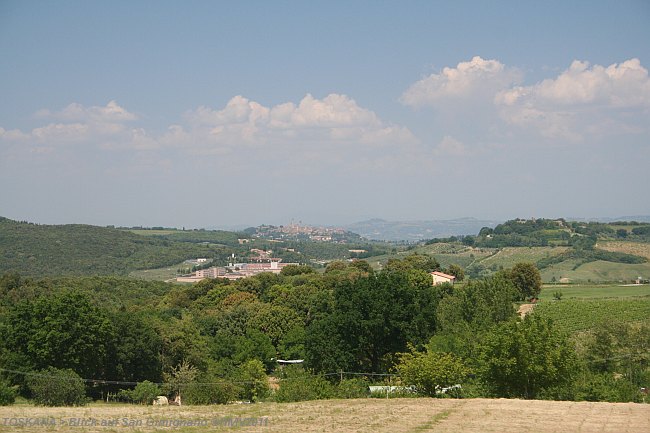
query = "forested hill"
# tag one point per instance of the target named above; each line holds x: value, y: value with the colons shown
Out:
x: 75, y: 249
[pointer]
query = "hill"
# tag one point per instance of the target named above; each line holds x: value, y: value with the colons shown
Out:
x: 397, y: 231
x: 562, y: 250
x: 76, y: 249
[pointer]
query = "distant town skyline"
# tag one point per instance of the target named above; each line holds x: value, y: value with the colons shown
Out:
x: 223, y: 114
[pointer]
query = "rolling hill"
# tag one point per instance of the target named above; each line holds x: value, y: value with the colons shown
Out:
x: 75, y: 249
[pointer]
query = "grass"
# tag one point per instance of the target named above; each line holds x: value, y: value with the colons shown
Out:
x: 446, y: 254
x: 153, y: 232
x: 435, y: 420
x: 159, y: 274
x: 510, y: 256
x: 637, y: 248
x: 598, y: 271
x: 593, y: 291
x: 404, y: 415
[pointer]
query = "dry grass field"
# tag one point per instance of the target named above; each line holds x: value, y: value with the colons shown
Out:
x: 362, y: 415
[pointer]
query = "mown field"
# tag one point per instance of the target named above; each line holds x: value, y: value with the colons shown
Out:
x: 361, y: 415
x: 159, y: 274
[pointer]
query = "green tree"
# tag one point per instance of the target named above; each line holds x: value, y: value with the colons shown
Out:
x: 296, y: 384
x: 180, y: 377
x: 143, y: 393
x: 527, y: 279
x: 526, y: 359
x: 477, y: 306
x: 255, y: 384
x: 211, y: 390
x: 373, y: 318
x: 621, y: 233
x: 64, y: 330
x: 136, y: 350
x: 57, y: 387
x: 457, y: 272
x: 429, y: 372
x: 292, y: 270
x: 7, y: 393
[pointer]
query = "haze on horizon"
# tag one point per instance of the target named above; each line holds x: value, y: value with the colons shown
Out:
x: 216, y: 114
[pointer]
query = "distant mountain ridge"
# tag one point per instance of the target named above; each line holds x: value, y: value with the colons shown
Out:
x: 380, y: 229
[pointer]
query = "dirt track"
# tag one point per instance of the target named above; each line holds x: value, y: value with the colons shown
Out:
x: 362, y: 415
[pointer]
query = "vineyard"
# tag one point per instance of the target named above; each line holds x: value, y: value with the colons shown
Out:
x: 574, y: 315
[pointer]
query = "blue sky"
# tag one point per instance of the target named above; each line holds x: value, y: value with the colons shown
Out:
x: 204, y: 114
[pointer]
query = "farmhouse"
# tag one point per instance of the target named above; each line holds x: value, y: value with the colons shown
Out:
x: 441, y: 277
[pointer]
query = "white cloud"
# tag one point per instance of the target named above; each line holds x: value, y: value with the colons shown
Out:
x: 581, y: 99
x: 12, y: 134
x: 478, y: 78
x: 451, y: 147
x: 111, y: 113
x: 76, y: 123
x: 311, y: 135
x: 624, y: 85
x: 332, y: 120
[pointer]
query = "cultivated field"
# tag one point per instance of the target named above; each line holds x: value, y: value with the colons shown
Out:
x: 510, y: 256
x: 573, y: 315
x: 592, y: 291
x: 361, y: 415
x: 638, y: 248
x: 598, y: 271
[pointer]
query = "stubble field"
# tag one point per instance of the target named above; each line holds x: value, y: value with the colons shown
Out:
x: 361, y: 415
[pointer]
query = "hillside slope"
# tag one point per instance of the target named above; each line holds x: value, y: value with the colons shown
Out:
x: 75, y: 249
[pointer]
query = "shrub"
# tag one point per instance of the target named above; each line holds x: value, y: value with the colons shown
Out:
x: 7, y: 394
x: 144, y: 393
x: 431, y: 372
x: 210, y: 392
x: 57, y: 387
x: 299, y: 385
x: 255, y: 384
x: 352, y: 388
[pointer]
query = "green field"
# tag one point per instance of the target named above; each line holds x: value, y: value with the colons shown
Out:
x: 574, y: 315
x: 598, y: 271
x: 159, y: 274
x: 153, y: 232
x: 593, y: 291
x: 446, y: 254
x: 510, y: 256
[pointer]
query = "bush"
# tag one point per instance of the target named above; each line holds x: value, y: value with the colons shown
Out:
x: 352, y: 388
x: 299, y: 385
x: 144, y: 393
x: 56, y: 387
x: 431, y: 372
x: 255, y: 384
x: 7, y: 394
x: 210, y: 392
x: 606, y: 387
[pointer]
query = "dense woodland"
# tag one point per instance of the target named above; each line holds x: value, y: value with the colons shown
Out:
x: 218, y: 340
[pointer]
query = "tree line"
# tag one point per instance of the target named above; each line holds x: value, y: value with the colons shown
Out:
x: 218, y: 340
